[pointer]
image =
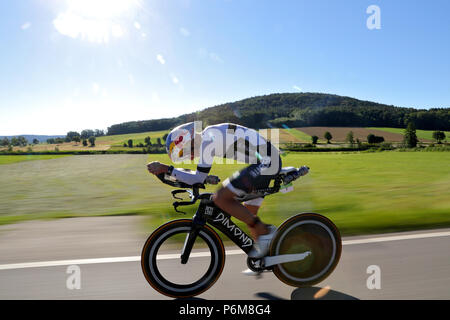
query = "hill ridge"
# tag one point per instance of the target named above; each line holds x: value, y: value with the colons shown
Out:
x: 299, y: 110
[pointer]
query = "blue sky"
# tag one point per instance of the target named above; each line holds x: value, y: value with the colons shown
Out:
x: 76, y: 64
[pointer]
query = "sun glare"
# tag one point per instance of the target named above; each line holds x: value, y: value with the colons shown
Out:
x: 96, y: 20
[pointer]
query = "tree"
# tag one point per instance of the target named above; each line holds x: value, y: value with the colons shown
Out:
x: 314, y: 139
x: 71, y: 135
x: 85, y: 143
x: 410, y: 137
x: 147, y: 141
x: 99, y: 133
x: 77, y: 139
x: 4, y: 142
x: 165, y: 136
x: 51, y: 141
x: 439, y: 136
x: 23, y: 141
x: 371, y: 138
x: 328, y: 136
x: 158, y: 141
x: 130, y: 143
x: 35, y: 141
x: 92, y: 141
x: 350, y: 138
x: 85, y: 134
x: 14, y: 141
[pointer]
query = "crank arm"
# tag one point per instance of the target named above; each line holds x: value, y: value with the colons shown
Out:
x: 284, y: 258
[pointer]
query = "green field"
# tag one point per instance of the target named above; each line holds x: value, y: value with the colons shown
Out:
x: 421, y: 134
x: 360, y: 192
x: 298, y: 135
x: 20, y: 158
x: 119, y: 140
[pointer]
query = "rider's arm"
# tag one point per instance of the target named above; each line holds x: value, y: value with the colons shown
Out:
x: 206, y: 154
x: 191, y: 177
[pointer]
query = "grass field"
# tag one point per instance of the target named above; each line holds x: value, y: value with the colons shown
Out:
x: 300, y: 135
x: 340, y: 133
x: 14, y: 159
x: 119, y: 140
x: 426, y: 135
x: 289, y: 135
x: 101, y: 143
x: 360, y: 192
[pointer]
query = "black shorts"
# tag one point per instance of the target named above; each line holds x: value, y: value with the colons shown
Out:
x: 254, y: 177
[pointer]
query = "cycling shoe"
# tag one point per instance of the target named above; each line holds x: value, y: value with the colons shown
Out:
x: 262, y: 244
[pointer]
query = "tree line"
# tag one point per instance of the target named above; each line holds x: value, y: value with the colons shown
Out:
x: 148, y: 145
x: 410, y: 139
x: 300, y: 110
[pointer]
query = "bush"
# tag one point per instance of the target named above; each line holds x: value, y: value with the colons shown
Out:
x: 371, y: 138
x: 92, y: 141
x: 439, y: 136
x: 410, y: 137
x: 328, y: 136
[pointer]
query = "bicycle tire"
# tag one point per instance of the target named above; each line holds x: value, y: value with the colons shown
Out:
x: 168, y: 288
x: 307, y: 232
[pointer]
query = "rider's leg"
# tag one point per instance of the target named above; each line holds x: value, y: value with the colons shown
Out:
x: 225, y: 200
x: 253, y: 206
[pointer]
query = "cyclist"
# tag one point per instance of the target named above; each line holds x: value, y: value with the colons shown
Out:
x: 229, y: 141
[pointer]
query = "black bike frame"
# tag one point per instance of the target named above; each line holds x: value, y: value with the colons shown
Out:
x: 208, y: 212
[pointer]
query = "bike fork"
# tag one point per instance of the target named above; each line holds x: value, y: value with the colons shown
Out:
x: 197, y: 224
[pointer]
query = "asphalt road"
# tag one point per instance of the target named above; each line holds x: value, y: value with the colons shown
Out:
x: 413, y: 265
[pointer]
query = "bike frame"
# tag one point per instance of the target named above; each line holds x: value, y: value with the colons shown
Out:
x: 208, y: 212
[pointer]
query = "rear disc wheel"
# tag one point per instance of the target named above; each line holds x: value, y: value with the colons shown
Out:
x: 307, y: 232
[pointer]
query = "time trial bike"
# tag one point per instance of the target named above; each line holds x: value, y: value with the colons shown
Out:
x: 304, y: 251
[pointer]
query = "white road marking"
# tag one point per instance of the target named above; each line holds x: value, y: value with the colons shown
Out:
x: 43, y: 264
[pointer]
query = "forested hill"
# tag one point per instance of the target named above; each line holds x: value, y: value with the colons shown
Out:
x: 300, y: 110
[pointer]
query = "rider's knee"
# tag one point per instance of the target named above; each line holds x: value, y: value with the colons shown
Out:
x: 220, y: 197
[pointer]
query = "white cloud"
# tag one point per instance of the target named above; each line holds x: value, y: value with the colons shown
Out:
x: 175, y: 79
x: 185, y: 32
x: 203, y: 53
x: 26, y: 26
x: 137, y: 25
x: 215, y: 57
x: 297, y: 88
x: 96, y: 21
x: 161, y: 59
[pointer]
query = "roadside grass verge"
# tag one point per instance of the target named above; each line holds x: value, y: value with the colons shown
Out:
x: 361, y: 192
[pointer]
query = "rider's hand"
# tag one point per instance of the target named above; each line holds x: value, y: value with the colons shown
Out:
x: 212, y: 180
x: 157, y: 168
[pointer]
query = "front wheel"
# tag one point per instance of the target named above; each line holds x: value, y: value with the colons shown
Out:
x: 307, y: 232
x: 161, y: 260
